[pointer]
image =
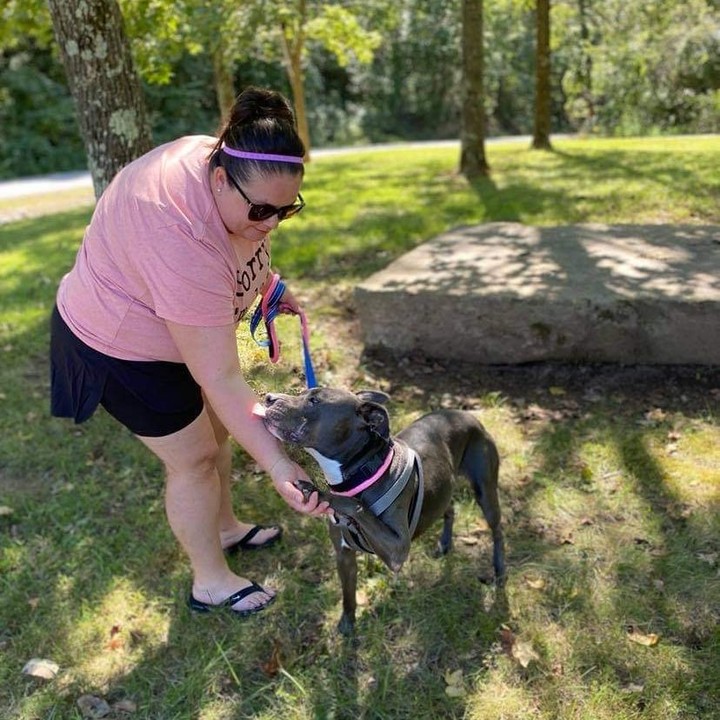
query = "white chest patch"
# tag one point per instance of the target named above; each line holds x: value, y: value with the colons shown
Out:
x: 332, y: 470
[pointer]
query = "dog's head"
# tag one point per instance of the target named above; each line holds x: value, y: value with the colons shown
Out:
x: 333, y: 422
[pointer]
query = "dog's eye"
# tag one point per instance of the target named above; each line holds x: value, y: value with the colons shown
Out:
x: 313, y: 399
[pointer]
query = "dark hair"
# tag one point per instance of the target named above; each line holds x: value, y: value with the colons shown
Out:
x: 260, y: 121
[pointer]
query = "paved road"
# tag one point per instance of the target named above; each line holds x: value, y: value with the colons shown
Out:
x: 58, y: 182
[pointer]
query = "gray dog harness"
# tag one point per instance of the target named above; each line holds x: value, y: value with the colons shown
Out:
x: 413, y: 469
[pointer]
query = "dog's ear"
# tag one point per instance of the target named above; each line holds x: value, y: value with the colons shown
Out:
x: 376, y: 418
x: 373, y: 396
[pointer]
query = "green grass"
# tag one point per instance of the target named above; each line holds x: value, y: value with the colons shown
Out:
x: 611, y: 513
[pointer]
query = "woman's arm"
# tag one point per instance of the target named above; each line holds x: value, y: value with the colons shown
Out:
x: 211, y: 356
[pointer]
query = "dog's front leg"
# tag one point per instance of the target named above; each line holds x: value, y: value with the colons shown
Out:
x: 346, y: 560
x: 391, y: 543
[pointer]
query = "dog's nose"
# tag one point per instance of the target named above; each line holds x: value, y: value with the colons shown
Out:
x: 270, y: 399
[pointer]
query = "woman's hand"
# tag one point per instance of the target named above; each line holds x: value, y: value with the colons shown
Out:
x: 284, y: 474
x: 290, y: 302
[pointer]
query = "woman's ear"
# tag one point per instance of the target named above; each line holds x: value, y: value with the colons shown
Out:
x: 218, y: 179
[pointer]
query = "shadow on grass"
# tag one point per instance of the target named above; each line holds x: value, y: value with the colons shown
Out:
x: 625, y: 549
x: 93, y: 524
x: 654, y: 169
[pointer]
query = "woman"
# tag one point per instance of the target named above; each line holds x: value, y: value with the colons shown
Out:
x: 177, y: 251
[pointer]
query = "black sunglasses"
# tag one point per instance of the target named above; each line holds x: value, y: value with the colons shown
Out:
x: 258, y: 213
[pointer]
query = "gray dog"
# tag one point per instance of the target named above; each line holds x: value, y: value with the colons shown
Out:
x: 385, y: 491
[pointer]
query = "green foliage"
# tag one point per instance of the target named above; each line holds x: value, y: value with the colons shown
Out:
x: 339, y: 31
x: 23, y: 20
x: 640, y: 67
x: 160, y: 34
x: 619, y: 67
x: 39, y: 128
x: 412, y: 89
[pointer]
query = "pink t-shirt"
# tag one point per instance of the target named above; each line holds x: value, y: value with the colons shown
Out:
x: 156, y: 250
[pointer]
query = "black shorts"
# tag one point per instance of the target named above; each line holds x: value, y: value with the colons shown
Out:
x: 151, y: 398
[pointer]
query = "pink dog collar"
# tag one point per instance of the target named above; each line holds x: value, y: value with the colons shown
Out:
x: 372, y: 479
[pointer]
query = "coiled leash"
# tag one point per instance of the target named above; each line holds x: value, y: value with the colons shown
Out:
x: 268, y: 309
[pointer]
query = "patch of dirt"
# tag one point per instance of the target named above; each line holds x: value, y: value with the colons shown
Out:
x: 688, y: 388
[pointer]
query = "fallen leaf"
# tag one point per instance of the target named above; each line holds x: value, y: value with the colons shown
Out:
x: 555, y: 390
x: 5, y: 510
x: 640, y: 638
x: 507, y: 640
x: 33, y: 602
x: 535, y: 583
x: 524, y: 653
x: 455, y: 686
x: 653, y: 417
x: 454, y: 677
x: 41, y: 668
x: 272, y: 667
x: 709, y: 557
x: 632, y: 688
x: 92, y: 706
x: 126, y: 706
x: 116, y: 641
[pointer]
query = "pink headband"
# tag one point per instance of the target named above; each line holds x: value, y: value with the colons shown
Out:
x: 261, y: 156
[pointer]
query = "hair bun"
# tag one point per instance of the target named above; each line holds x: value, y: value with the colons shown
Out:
x: 257, y: 104
x: 261, y: 121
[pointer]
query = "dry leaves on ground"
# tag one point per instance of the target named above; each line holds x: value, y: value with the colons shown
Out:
x: 455, y: 684
x: 41, y: 668
x: 640, y: 638
x: 521, y: 651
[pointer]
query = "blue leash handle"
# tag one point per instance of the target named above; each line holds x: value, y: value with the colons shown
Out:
x: 268, y: 309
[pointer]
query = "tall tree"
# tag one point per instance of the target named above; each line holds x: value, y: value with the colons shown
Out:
x: 541, y: 134
x: 108, y: 98
x: 473, y: 162
x: 292, y: 42
x: 335, y: 28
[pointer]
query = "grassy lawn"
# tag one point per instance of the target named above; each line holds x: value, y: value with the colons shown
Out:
x: 610, y: 487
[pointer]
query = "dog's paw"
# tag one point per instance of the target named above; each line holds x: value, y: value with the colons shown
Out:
x: 306, y: 488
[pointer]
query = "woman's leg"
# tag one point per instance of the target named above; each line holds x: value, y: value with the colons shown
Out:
x: 192, y: 502
x: 231, y: 529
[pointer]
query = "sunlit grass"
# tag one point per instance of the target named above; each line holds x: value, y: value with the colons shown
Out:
x: 611, y: 514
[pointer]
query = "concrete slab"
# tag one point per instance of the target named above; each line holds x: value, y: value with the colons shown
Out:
x: 508, y: 293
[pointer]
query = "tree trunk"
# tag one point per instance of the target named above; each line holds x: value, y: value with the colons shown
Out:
x: 541, y: 136
x: 586, y: 65
x: 473, y: 163
x: 108, y: 97
x: 224, y: 83
x: 292, y: 48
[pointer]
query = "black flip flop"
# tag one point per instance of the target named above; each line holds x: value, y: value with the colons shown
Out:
x: 244, y: 542
x: 202, y: 607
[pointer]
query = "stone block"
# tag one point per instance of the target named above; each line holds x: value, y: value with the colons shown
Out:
x: 509, y: 293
